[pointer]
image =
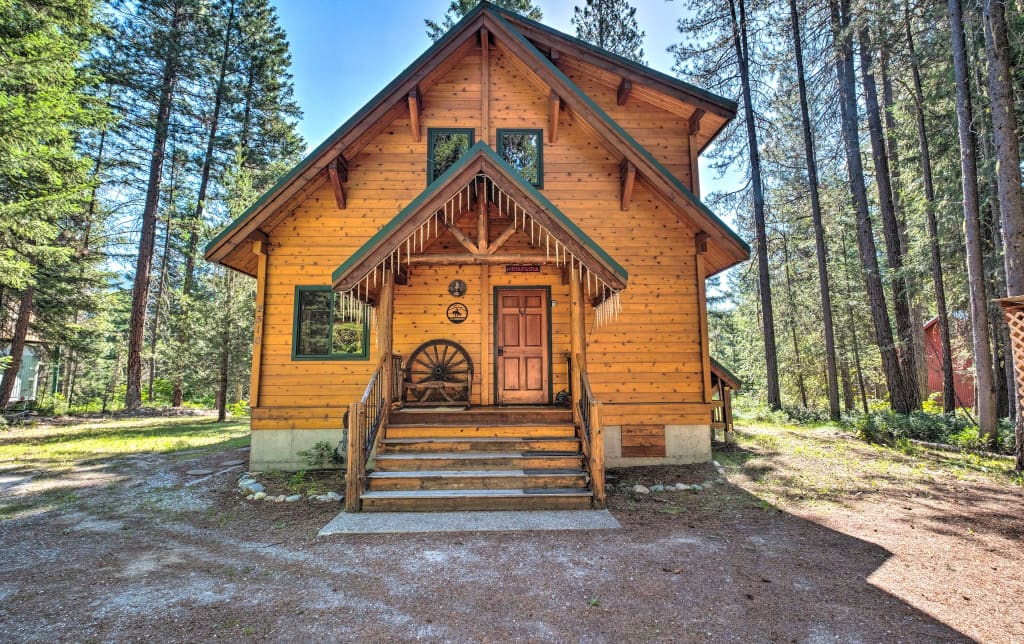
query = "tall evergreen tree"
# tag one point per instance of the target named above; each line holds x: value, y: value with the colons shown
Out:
x: 612, y: 26
x: 459, y: 8
x: 44, y: 103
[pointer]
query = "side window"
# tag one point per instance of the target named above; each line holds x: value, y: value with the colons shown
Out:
x: 523, y: 150
x: 444, y: 148
x: 323, y: 330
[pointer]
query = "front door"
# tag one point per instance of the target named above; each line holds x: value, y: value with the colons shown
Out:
x: 522, y: 352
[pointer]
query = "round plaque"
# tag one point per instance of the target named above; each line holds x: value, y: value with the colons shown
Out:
x: 457, y: 313
x: 457, y: 288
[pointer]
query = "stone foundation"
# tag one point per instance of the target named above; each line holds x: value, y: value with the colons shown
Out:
x: 278, y: 449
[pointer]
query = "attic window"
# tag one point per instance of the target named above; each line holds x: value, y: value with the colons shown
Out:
x: 445, y: 146
x: 523, y: 150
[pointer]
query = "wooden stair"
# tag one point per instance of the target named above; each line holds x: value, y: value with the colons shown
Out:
x: 479, y: 459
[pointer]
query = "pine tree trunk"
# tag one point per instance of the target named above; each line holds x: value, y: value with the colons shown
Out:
x: 890, y: 225
x: 17, y: 351
x: 1004, y: 135
x: 819, y: 229
x: 938, y: 283
x: 902, y: 397
x: 204, y: 178
x: 225, y: 349
x: 161, y: 278
x: 985, y: 410
x: 739, y: 30
x: 147, y: 239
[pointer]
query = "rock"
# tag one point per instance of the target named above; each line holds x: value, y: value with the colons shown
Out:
x: 232, y: 463
x: 682, y: 487
x: 293, y: 498
x: 249, y: 486
x: 334, y: 496
x: 707, y: 485
x: 716, y: 464
x: 259, y: 496
x: 657, y: 488
x: 719, y: 481
x: 279, y: 498
x: 250, y: 497
x: 199, y: 472
x: 639, y: 489
x: 696, y: 488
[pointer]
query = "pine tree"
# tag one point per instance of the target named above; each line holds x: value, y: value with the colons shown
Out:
x: 459, y: 8
x: 612, y: 26
x: 44, y: 103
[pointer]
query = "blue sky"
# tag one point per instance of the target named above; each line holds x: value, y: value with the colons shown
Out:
x: 345, y: 52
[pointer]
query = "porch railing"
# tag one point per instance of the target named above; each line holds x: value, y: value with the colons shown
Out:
x: 365, y: 420
x: 587, y: 412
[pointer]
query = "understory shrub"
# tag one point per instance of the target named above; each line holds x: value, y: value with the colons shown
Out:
x: 891, y: 428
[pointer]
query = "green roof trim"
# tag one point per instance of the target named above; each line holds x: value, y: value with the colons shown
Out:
x: 478, y: 150
x: 721, y: 101
x: 547, y: 64
x: 717, y: 366
x: 347, y: 125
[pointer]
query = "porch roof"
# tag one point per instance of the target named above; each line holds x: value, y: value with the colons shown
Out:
x: 480, y: 173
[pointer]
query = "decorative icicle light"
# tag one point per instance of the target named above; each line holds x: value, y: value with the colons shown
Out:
x: 547, y: 246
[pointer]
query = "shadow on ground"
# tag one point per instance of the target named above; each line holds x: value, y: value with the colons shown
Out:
x: 721, y: 564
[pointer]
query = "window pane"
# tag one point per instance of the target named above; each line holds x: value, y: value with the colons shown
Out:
x: 314, y: 323
x: 348, y: 332
x: 522, y: 151
x: 448, y: 147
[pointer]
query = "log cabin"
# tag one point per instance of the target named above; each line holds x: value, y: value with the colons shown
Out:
x: 488, y: 285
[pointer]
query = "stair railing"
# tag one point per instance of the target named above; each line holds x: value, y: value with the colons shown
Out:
x: 365, y: 420
x: 587, y: 412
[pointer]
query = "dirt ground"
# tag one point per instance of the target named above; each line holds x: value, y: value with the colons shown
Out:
x: 815, y: 537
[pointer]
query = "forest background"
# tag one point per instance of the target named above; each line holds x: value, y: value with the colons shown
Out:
x: 874, y: 166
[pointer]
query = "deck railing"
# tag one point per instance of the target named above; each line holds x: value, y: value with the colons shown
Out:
x: 589, y: 428
x: 365, y: 420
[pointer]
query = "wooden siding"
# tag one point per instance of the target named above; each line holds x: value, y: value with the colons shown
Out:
x: 646, y: 366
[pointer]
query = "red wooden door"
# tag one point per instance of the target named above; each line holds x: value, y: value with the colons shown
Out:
x: 522, y: 352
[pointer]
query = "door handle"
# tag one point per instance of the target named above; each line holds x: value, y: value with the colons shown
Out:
x: 501, y: 351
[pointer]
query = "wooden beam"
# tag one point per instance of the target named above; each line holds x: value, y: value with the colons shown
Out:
x: 486, y: 337
x: 415, y: 106
x: 554, y: 108
x: 337, y: 174
x: 695, y: 119
x: 482, y: 231
x: 454, y: 259
x: 554, y: 56
x: 260, y: 248
x: 701, y: 247
x: 462, y: 237
x: 485, y: 86
x: 700, y: 241
x: 625, y: 89
x: 577, y: 342
x: 385, y: 335
x: 502, y: 238
x: 628, y: 179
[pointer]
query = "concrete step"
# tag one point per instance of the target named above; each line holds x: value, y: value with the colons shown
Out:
x: 478, y: 479
x: 475, y: 499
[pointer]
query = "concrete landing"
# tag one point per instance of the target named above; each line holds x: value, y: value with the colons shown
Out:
x: 415, y: 522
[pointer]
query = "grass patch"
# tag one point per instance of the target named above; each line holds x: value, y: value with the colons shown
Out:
x: 57, y: 447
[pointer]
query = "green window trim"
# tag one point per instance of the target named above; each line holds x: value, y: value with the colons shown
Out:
x: 363, y: 354
x: 503, y: 132
x: 441, y: 131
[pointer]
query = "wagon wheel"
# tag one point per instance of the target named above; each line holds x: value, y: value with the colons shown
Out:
x: 442, y: 363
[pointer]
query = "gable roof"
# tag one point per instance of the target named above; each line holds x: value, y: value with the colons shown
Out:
x: 725, y: 375
x: 392, y: 96
x: 479, y: 159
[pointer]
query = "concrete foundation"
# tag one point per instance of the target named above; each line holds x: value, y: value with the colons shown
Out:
x: 278, y: 449
x: 684, y: 444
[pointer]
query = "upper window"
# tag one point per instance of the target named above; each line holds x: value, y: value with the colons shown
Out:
x: 523, y: 150
x: 444, y: 148
x: 324, y: 330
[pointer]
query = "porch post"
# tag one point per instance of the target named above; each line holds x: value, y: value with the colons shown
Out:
x: 385, y: 334
x: 260, y: 249
x: 577, y: 342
